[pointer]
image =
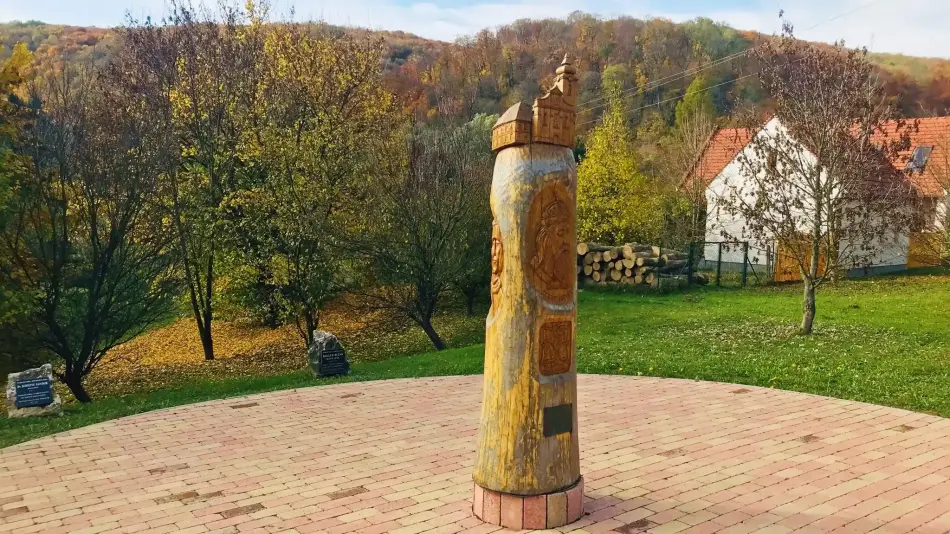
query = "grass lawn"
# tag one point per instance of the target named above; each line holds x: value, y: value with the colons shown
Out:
x: 884, y: 340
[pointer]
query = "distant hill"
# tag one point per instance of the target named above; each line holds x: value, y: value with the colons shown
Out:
x: 489, y: 71
x: 921, y: 69
x: 52, y: 42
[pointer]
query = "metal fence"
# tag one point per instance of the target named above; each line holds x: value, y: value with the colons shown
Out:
x: 742, y: 264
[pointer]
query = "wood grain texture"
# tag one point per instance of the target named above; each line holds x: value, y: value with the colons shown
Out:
x: 537, y: 288
x: 497, y: 262
x: 550, y: 253
x: 555, y: 342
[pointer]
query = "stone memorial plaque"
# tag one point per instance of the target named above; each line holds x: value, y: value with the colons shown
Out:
x: 30, y: 393
x: 33, y: 392
x: 333, y: 362
x: 327, y: 356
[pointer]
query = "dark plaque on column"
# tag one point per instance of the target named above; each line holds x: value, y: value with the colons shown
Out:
x: 327, y: 356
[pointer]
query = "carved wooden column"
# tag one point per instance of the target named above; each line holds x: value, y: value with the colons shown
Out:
x: 527, y: 469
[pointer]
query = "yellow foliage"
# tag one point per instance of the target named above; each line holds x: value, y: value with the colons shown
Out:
x: 15, y: 69
x: 616, y: 203
x: 173, y: 354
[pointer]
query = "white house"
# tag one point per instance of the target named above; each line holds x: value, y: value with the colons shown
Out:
x: 719, y: 170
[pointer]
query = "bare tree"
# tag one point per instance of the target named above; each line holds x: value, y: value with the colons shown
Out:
x: 82, y: 240
x: 685, y: 148
x: 428, y: 199
x: 821, y: 183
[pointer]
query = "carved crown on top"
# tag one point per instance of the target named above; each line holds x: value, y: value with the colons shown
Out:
x: 551, y: 120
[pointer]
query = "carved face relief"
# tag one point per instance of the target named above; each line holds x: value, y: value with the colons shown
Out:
x: 550, y: 242
x: 555, y: 347
x: 497, y: 263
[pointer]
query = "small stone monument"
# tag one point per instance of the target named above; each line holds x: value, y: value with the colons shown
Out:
x: 326, y: 355
x: 527, y: 462
x: 30, y: 393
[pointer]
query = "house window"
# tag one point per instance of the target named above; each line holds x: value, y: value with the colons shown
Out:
x: 919, y: 159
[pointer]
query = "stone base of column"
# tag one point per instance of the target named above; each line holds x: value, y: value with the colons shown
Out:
x: 535, y: 512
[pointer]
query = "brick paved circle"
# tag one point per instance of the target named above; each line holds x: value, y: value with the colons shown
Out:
x: 658, y: 456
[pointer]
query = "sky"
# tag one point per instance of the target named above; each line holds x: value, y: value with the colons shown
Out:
x: 913, y: 27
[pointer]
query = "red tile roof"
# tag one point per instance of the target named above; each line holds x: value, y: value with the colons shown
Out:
x: 934, y: 132
x: 929, y: 132
x: 723, y: 147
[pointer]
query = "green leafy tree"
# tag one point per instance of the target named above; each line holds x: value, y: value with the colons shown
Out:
x: 81, y: 241
x: 197, y: 72
x: 430, y: 193
x: 616, y: 202
x: 474, y: 279
x: 698, y: 101
x: 15, y: 121
x: 320, y: 121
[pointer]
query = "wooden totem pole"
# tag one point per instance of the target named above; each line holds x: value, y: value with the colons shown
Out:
x: 527, y: 469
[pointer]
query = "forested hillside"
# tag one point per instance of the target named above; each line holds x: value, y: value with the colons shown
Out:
x: 487, y: 72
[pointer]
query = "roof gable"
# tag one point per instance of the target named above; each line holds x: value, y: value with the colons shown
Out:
x: 726, y: 144
x: 929, y: 132
x: 723, y: 147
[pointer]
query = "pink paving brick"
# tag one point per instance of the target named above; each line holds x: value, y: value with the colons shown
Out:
x: 557, y: 510
x: 492, y: 507
x: 478, y: 500
x: 512, y: 511
x: 575, y: 501
x: 535, y: 512
x: 659, y: 455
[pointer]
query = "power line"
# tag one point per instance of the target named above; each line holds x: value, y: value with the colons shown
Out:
x: 676, y: 97
x: 683, y: 74
x: 688, y: 93
x: 678, y: 76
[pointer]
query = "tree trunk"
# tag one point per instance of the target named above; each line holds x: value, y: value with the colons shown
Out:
x: 808, y: 300
x: 470, y: 302
x: 426, y: 324
x: 312, y: 321
x: 74, y: 383
x: 808, y: 307
x: 207, y: 342
x: 265, y: 290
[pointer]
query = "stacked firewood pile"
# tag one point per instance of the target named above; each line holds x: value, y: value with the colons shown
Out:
x: 630, y: 264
